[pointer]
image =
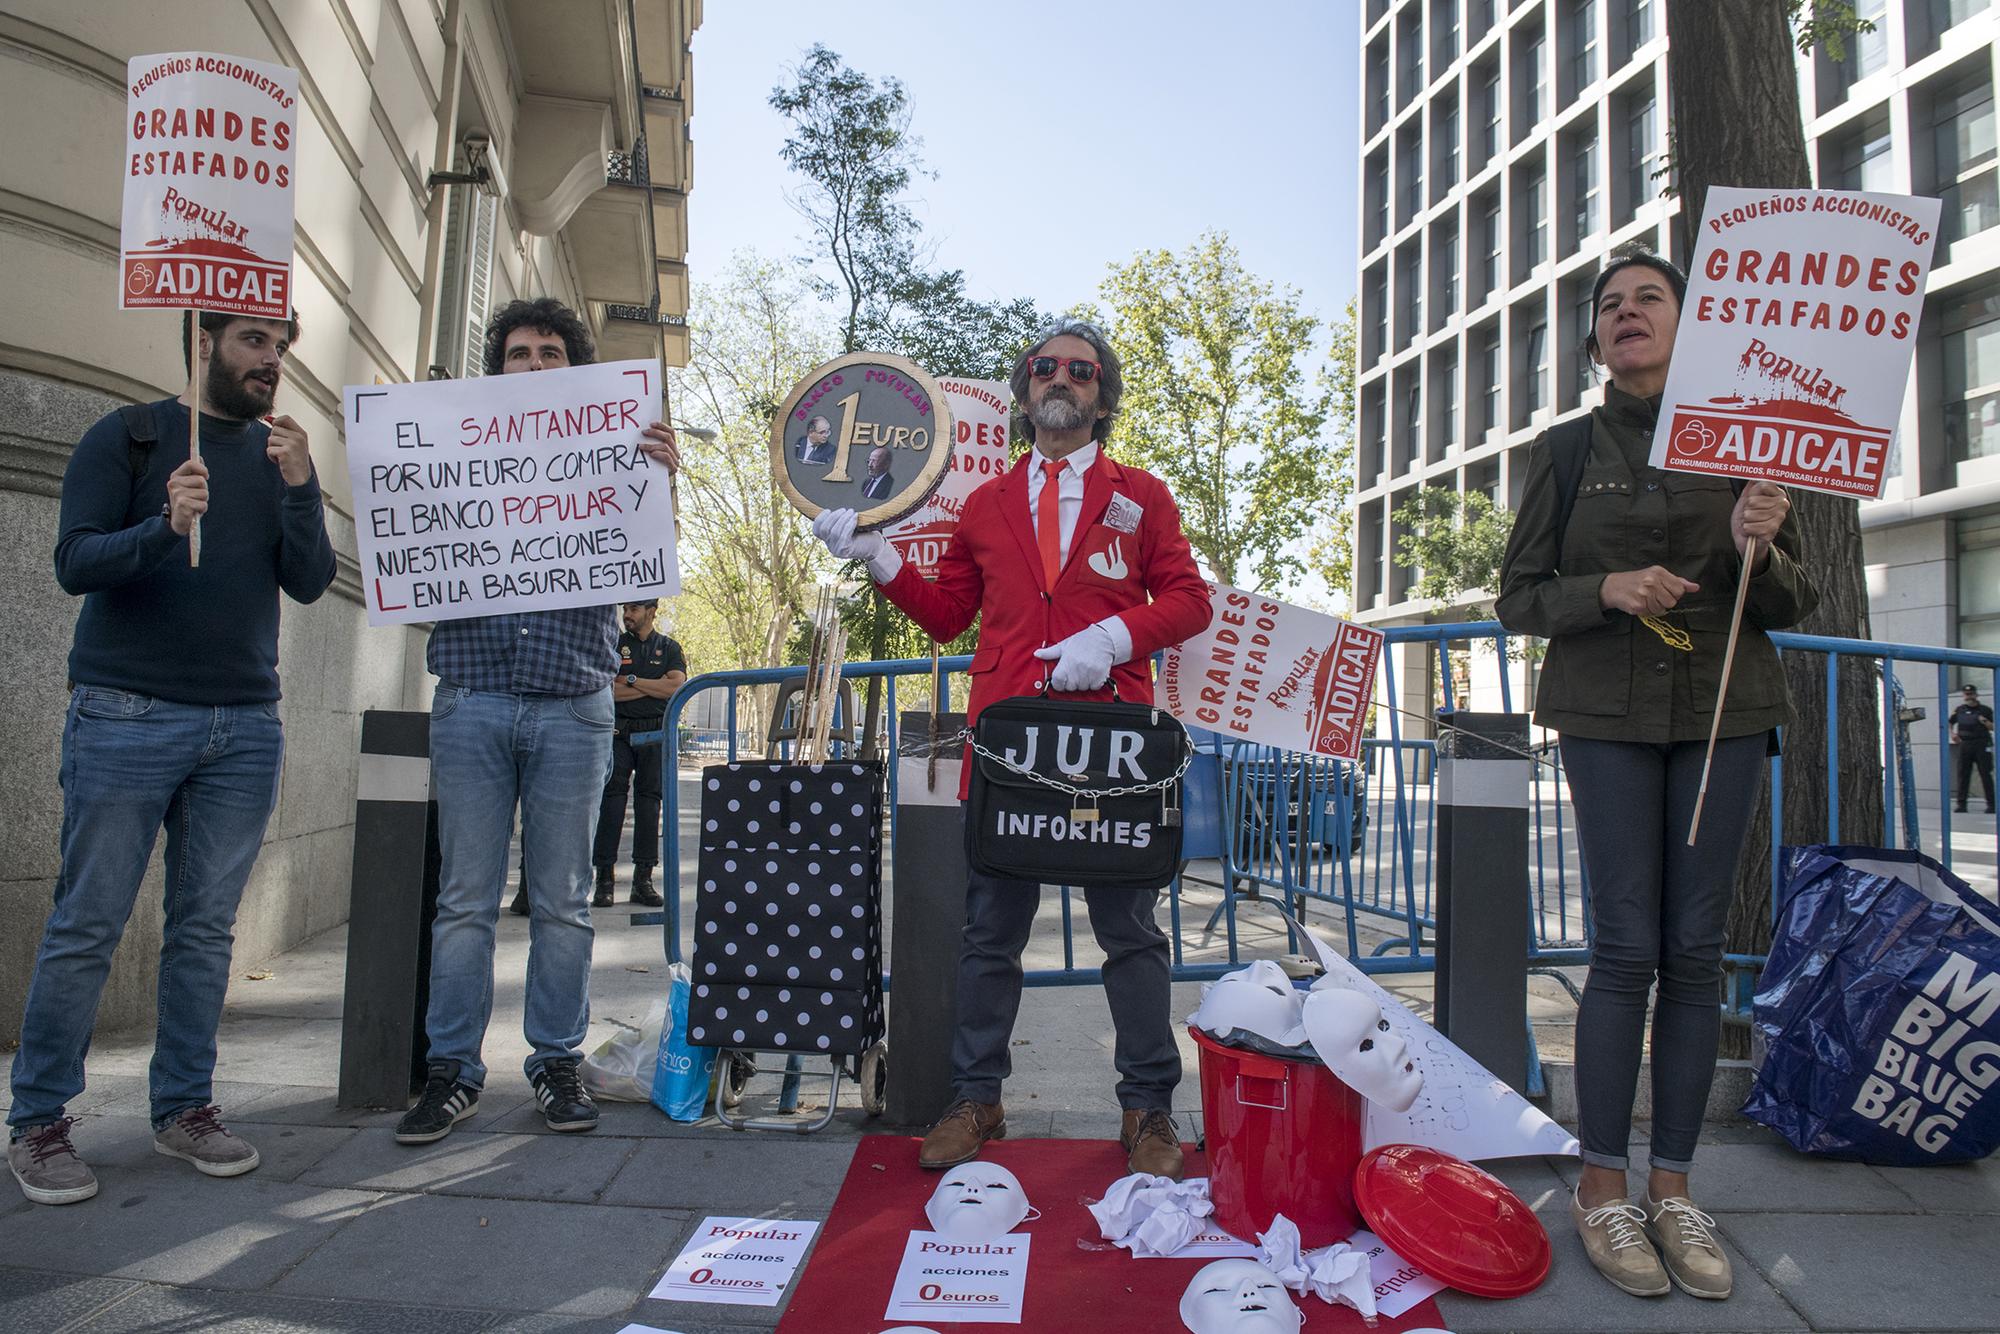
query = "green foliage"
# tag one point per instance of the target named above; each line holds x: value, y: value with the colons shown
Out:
x: 1330, y: 550
x: 1454, y: 541
x: 1827, y: 23
x: 1218, y: 405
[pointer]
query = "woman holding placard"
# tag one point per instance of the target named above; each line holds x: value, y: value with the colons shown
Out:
x: 1631, y: 574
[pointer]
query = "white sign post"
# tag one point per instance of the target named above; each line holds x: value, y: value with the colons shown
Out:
x: 509, y: 493
x: 1793, y: 351
x: 1273, y: 673
x: 209, y: 171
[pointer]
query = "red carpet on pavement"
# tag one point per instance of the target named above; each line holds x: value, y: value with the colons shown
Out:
x: 1076, y: 1281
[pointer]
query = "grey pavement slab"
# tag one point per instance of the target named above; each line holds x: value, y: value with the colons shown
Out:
x: 503, y: 1255
x: 155, y: 1310
x: 99, y: 1090
x: 30, y: 1300
x: 1575, y: 1299
x: 1874, y: 1272
x: 229, y: 1233
x: 1772, y: 1177
x: 228, y: 1094
x: 572, y: 1168
x: 114, y: 1144
x: 752, y: 1173
x: 1960, y: 1188
x: 311, y: 1105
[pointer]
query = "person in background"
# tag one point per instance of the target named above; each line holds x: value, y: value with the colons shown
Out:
x: 173, y: 722
x: 651, y: 667
x: 1972, y: 733
x: 1635, y: 595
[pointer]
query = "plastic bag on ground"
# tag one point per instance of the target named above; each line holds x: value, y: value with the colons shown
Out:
x: 680, y: 1088
x: 621, y: 1068
x: 1880, y: 1011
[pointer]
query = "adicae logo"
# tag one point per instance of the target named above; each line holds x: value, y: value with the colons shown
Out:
x: 1694, y: 439
x: 139, y: 278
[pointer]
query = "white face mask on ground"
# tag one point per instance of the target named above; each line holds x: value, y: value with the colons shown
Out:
x: 975, y: 1202
x: 1348, y: 1032
x: 1258, y: 999
x: 1239, y: 1297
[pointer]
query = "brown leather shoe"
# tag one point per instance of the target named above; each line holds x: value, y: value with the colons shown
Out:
x: 1148, y: 1135
x: 958, y: 1134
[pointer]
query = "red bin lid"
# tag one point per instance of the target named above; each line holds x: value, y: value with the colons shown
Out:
x: 1458, y: 1224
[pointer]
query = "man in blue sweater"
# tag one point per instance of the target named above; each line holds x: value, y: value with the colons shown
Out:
x: 173, y: 722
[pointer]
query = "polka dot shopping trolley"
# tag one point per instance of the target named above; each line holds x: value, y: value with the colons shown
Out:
x: 788, y: 930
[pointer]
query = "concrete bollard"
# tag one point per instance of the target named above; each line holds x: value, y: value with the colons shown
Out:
x: 391, y: 905
x: 1482, y: 889
x: 926, y: 921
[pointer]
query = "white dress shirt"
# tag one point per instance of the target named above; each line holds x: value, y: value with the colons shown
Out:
x: 1069, y: 493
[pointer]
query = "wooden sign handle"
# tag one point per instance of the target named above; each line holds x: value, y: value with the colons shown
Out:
x: 194, y: 424
x: 1722, y: 690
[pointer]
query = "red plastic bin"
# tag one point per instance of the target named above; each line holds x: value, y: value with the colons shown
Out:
x: 1284, y: 1137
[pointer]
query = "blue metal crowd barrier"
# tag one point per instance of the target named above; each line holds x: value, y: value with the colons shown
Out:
x: 1353, y: 843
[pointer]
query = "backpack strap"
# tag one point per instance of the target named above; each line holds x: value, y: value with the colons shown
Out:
x: 1569, y: 450
x: 142, y: 431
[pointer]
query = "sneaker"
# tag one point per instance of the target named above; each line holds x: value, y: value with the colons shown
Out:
x: 445, y: 1102
x: 559, y: 1089
x: 1688, y: 1247
x: 45, y: 1163
x: 1614, y: 1238
x: 607, y: 889
x: 643, y: 892
x: 198, y: 1136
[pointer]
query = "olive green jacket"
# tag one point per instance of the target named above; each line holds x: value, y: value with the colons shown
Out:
x: 1608, y: 675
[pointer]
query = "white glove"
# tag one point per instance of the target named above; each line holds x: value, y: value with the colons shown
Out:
x: 835, y: 528
x: 1083, y: 661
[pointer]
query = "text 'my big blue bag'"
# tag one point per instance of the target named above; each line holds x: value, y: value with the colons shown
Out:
x: 1880, y: 1011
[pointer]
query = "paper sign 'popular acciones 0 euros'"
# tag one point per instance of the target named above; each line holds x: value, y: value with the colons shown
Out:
x: 1269, y: 672
x: 211, y: 143
x: 1796, y: 337
x: 509, y: 493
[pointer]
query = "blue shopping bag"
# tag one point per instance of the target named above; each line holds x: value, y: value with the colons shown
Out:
x: 680, y: 1082
x: 1880, y: 1011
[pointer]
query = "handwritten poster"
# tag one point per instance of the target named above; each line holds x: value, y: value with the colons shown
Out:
x: 509, y: 493
x: 1269, y: 672
x: 210, y: 176
x: 1795, y: 340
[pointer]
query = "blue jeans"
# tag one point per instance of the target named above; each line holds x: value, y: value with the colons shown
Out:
x: 489, y: 751
x: 130, y: 764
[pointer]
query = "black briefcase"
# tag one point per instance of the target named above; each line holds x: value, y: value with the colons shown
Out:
x: 1077, y: 792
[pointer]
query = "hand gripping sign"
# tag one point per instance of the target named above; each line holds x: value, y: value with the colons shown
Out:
x: 868, y: 432
x: 509, y: 493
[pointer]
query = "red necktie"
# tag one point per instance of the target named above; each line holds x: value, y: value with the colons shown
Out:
x: 1048, y: 523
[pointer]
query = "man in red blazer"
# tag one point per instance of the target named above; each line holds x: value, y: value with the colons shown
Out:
x: 1079, y: 571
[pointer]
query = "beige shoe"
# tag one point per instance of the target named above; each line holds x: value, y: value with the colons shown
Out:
x: 1689, y: 1247
x: 1614, y: 1238
x: 959, y: 1133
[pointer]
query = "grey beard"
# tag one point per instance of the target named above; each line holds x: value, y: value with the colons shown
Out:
x: 1056, y: 414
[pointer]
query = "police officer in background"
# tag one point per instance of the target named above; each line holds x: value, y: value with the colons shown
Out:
x: 1972, y: 733
x: 651, y: 667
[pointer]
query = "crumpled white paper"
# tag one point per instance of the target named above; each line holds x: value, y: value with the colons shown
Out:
x: 1152, y: 1215
x: 1336, y: 1274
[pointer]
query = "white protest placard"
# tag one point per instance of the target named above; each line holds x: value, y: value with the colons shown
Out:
x: 979, y: 415
x: 210, y: 171
x: 737, y: 1261
x: 509, y: 493
x: 969, y: 1282
x: 1399, y: 1285
x: 1277, y: 674
x: 1795, y: 340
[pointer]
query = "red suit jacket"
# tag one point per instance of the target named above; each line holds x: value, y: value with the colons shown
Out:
x: 993, y: 569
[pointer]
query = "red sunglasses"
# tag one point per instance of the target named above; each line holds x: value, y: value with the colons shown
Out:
x: 1081, y: 370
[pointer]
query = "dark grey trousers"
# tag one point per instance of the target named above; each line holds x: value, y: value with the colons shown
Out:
x: 999, y: 915
x: 1660, y: 909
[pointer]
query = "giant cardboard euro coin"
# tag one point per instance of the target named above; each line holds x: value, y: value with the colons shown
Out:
x: 868, y: 432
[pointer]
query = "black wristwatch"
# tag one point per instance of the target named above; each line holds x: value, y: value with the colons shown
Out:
x: 631, y: 678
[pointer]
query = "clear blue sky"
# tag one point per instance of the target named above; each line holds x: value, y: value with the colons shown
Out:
x: 1065, y: 137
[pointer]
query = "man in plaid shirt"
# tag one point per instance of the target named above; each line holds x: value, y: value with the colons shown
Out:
x: 522, y: 715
